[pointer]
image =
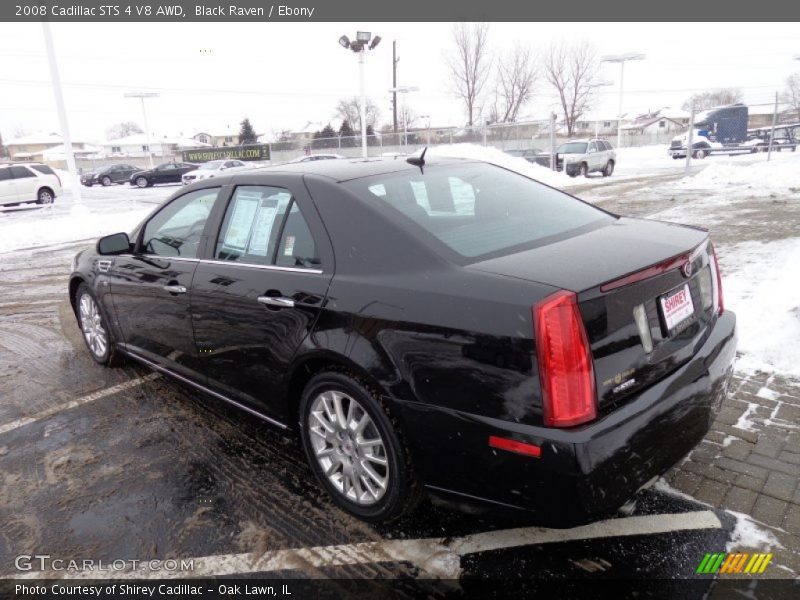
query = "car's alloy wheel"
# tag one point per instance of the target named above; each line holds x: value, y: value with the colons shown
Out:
x: 348, y: 447
x: 44, y: 196
x: 141, y: 182
x: 106, y: 181
x: 94, y: 332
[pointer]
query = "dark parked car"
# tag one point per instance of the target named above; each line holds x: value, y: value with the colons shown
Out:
x: 532, y: 155
x: 165, y: 173
x: 449, y: 327
x: 109, y: 174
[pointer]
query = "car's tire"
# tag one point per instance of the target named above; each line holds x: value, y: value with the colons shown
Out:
x: 583, y: 170
x: 142, y: 182
x: 45, y: 196
x: 93, y: 325
x: 700, y: 154
x: 333, y: 437
x: 106, y: 181
x: 608, y: 169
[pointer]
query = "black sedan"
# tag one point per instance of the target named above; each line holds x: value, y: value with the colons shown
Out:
x: 532, y: 155
x: 171, y: 172
x: 108, y: 175
x: 450, y: 328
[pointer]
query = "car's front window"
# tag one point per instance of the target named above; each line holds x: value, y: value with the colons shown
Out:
x: 572, y: 148
x: 479, y: 209
x: 176, y: 229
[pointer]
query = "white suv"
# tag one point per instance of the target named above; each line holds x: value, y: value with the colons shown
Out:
x: 581, y: 157
x: 28, y: 182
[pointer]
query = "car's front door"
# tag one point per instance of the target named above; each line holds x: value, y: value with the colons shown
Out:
x: 25, y: 183
x: 151, y: 287
x: 124, y: 173
x: 258, y: 296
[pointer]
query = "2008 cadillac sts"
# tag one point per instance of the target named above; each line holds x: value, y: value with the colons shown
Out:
x: 447, y: 327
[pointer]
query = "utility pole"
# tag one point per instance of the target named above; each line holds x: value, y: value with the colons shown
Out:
x: 142, y: 96
x: 553, y: 117
x: 690, y: 140
x: 395, y: 60
x: 55, y: 79
x: 772, y: 131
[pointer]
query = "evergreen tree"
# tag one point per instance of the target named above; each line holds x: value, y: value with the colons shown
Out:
x: 326, y: 138
x: 247, y: 135
x: 372, y: 139
x: 347, y: 134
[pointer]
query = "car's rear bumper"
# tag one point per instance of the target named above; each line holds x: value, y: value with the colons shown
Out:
x: 583, y: 473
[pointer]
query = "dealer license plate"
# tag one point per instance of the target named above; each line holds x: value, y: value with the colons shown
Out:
x: 677, y: 308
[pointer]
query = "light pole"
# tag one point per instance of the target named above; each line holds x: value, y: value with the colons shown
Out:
x: 142, y: 96
x: 405, y: 89
x: 594, y: 86
x: 621, y: 59
x: 360, y: 46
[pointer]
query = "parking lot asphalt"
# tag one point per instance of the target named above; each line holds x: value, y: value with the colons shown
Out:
x: 112, y: 464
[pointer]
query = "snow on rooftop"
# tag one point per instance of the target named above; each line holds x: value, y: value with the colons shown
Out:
x: 39, y: 139
x: 140, y: 139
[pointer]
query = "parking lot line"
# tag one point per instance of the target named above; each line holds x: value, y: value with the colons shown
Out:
x: 440, y: 557
x: 114, y: 389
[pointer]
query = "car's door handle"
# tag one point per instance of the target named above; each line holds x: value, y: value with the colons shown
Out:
x: 175, y: 289
x: 279, y: 301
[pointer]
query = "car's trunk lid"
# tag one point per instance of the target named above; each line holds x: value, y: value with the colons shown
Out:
x: 629, y: 265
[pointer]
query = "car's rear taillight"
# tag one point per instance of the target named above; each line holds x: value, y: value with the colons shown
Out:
x: 565, y: 361
x: 713, y: 253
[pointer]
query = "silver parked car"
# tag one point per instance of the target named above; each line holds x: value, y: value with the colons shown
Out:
x: 581, y: 157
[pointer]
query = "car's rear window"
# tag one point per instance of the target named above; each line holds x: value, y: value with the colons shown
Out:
x: 43, y: 169
x: 479, y: 209
x: 572, y: 148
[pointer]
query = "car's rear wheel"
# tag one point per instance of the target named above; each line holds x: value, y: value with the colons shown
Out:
x: 142, y: 182
x: 96, y: 334
x: 45, y: 196
x: 106, y: 181
x: 609, y: 169
x: 354, y: 448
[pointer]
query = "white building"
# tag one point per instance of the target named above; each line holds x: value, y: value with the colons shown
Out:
x: 136, y: 145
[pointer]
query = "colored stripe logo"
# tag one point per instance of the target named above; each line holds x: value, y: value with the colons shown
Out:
x: 732, y: 563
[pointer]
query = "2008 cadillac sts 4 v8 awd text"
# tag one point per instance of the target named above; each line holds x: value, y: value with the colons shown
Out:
x: 449, y: 327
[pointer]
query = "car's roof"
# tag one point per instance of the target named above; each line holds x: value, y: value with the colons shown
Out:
x: 354, y: 168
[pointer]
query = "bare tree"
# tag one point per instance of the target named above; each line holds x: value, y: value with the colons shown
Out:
x: 791, y: 95
x: 349, y: 109
x: 572, y: 70
x: 710, y: 99
x: 121, y: 130
x: 517, y: 73
x: 469, y: 64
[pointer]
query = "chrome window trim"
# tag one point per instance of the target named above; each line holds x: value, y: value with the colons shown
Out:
x: 229, y: 263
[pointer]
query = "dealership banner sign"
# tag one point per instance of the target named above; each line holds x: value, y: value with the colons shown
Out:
x: 200, y: 155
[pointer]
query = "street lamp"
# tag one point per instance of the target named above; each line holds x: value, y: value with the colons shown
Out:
x: 360, y: 46
x: 142, y: 96
x: 404, y: 89
x: 597, y: 85
x: 621, y: 59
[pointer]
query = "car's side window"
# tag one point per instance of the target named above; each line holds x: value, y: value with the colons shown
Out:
x: 177, y: 228
x: 21, y: 173
x: 297, y: 247
x: 5, y: 174
x: 252, y: 224
x: 593, y: 147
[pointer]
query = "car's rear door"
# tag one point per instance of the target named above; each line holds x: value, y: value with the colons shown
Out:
x: 257, y: 296
x: 8, y: 193
x: 151, y: 287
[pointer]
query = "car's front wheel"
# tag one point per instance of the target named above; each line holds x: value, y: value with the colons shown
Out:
x: 106, y: 181
x: 96, y: 333
x: 354, y: 448
x: 142, y: 182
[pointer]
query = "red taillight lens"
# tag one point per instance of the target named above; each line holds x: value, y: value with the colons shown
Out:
x: 565, y: 361
x: 720, y: 303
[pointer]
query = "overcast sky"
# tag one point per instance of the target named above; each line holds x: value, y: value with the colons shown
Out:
x: 283, y: 76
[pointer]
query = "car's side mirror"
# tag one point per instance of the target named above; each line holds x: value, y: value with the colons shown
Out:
x: 116, y: 243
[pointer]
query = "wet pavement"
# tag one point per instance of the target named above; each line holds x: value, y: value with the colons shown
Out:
x: 112, y: 464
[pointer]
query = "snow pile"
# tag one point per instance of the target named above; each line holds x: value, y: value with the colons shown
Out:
x: 760, y: 285
x: 759, y: 178
x: 747, y: 535
x: 45, y: 229
x: 501, y: 159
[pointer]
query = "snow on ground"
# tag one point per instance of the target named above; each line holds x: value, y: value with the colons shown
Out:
x: 760, y: 285
x: 725, y: 174
x: 748, y: 535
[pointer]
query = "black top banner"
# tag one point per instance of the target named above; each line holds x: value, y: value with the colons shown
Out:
x: 399, y: 10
